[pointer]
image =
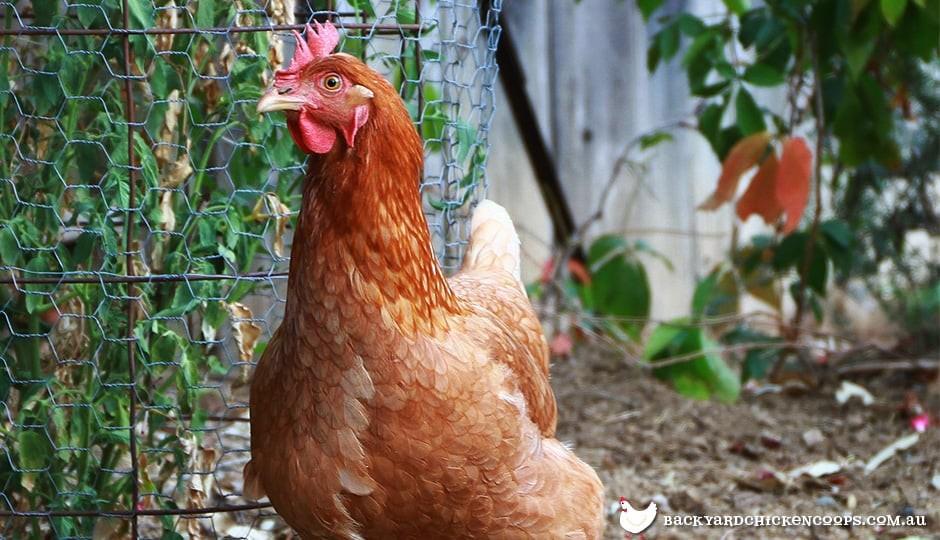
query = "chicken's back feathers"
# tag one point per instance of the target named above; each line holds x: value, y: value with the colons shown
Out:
x: 516, y: 340
x: 493, y: 240
x: 490, y: 283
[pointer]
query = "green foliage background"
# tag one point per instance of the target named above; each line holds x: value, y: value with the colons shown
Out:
x: 861, y: 80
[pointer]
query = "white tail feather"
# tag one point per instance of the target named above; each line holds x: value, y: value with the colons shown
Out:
x: 493, y: 240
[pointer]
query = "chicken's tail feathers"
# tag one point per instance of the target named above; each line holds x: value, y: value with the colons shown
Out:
x: 252, y: 483
x: 493, y: 240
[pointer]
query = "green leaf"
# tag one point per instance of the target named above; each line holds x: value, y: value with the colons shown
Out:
x: 466, y: 138
x: 654, y: 139
x: 619, y: 283
x: 763, y: 75
x: 705, y: 375
x: 110, y: 241
x: 709, y: 123
x: 837, y: 232
x: 758, y: 360
x: 432, y: 125
x: 724, y: 382
x: 5, y: 384
x: 653, y: 55
x: 87, y: 15
x: 37, y: 294
x: 839, y: 240
x: 647, y: 7
x: 790, y: 251
x: 916, y: 33
x: 726, y: 70
x: 859, y: 43
x: 364, y: 6
x: 668, y: 41
x: 183, y: 302
x: 716, y: 295
x: 752, y: 23
x: 738, y: 7
x: 205, y: 13
x: 690, y: 25
x: 9, y: 249
x: 44, y: 12
x: 405, y: 13
x: 72, y: 73
x: 750, y: 117
x: 818, y: 272
x: 857, y: 53
x: 34, y: 450
x: 892, y: 10
x: 228, y: 254
x: 665, y: 335
x: 698, y: 47
x: 141, y: 13
x: 161, y: 79
x: 148, y: 163
x: 123, y: 191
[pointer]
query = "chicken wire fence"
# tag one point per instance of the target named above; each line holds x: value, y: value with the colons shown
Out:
x: 144, y: 237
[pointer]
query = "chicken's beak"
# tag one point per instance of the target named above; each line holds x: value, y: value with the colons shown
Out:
x: 275, y: 100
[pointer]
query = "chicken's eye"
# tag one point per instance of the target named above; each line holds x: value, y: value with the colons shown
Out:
x: 332, y: 82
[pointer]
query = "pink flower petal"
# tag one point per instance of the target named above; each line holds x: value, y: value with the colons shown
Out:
x: 561, y: 344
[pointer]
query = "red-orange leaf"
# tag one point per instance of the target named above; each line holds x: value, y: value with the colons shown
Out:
x: 578, y: 271
x: 761, y: 196
x: 792, y: 185
x: 743, y: 155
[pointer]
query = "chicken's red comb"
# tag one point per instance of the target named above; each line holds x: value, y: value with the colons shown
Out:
x: 321, y: 40
x: 623, y: 499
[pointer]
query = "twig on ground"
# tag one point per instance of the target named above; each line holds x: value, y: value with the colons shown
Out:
x: 880, y: 366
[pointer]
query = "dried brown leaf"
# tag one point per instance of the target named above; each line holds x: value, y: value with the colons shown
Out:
x: 167, y: 214
x: 175, y: 173
x: 166, y: 18
x: 166, y: 151
x: 201, y: 481
x: 271, y: 206
x: 246, y: 331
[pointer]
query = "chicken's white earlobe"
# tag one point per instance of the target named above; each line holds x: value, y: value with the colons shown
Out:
x: 359, y: 95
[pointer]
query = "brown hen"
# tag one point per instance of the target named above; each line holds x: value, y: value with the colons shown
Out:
x: 392, y: 402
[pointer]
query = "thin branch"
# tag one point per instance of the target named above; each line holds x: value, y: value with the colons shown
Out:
x: 817, y: 179
x: 879, y: 366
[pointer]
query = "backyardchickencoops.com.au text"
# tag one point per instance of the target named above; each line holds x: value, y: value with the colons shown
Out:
x: 842, y: 520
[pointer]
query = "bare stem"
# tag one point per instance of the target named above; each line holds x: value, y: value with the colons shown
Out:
x: 817, y: 185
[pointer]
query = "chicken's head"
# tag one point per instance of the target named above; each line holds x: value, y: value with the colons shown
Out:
x: 322, y: 93
x: 624, y: 503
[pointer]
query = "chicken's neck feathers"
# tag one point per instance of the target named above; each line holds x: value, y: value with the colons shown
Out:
x: 361, y: 217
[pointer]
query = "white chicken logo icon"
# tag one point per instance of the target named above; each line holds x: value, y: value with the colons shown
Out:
x: 636, y: 521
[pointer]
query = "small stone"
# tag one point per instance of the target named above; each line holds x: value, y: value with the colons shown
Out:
x: 813, y: 437
x: 826, y: 500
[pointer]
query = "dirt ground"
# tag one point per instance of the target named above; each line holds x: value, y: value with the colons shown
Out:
x: 708, y: 458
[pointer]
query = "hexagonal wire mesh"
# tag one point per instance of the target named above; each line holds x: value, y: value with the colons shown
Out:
x: 144, y: 238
